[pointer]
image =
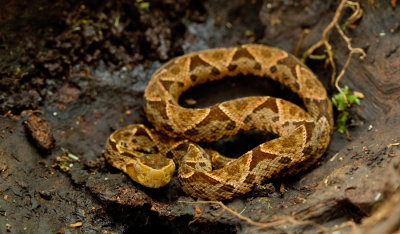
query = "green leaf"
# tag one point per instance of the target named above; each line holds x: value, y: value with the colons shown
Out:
x: 317, y: 56
x: 339, y: 101
x: 341, y: 121
x: 73, y: 157
x: 144, y: 6
x: 353, y: 99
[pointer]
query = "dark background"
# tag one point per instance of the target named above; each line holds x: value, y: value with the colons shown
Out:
x: 84, y: 66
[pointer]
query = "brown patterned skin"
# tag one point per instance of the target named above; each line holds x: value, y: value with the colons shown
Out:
x: 304, y: 135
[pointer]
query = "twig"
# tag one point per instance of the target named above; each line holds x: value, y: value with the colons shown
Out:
x: 326, y: 31
x: 300, y: 41
x: 279, y: 219
x: 324, y: 41
x: 357, y: 13
x: 346, y: 64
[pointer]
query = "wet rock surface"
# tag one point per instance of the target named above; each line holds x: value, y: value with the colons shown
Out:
x: 85, y: 67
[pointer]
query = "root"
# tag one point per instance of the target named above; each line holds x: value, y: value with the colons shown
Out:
x: 357, y: 14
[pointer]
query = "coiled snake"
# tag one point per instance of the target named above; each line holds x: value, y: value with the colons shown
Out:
x: 149, y: 156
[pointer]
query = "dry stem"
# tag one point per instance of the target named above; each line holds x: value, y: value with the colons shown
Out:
x: 279, y: 220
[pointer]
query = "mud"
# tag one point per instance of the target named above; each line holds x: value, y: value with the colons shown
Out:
x: 74, y: 72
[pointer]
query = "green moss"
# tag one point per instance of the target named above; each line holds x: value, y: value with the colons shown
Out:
x: 339, y: 101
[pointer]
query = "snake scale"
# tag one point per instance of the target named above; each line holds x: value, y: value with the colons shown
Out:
x: 149, y: 156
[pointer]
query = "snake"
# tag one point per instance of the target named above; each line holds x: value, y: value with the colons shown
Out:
x: 150, y: 156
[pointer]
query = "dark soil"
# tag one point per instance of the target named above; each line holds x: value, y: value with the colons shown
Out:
x: 72, y: 72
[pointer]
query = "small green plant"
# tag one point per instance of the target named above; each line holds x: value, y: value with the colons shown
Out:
x: 144, y: 6
x: 342, y: 101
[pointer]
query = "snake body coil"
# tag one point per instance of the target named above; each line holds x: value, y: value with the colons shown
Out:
x: 148, y: 155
